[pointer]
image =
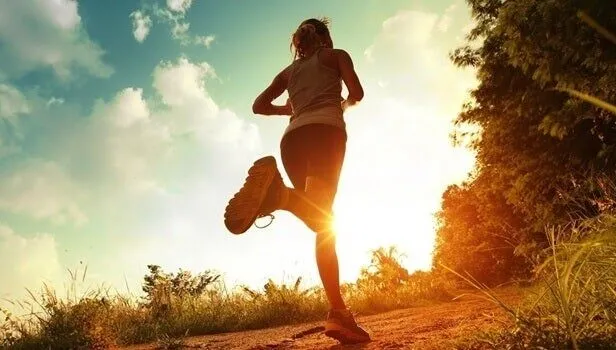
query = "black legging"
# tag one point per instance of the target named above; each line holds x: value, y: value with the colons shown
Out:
x: 314, y: 150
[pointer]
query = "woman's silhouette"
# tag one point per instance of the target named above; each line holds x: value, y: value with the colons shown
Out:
x: 312, y: 150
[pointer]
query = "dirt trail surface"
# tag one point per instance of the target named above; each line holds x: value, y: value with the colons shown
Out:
x: 435, y: 326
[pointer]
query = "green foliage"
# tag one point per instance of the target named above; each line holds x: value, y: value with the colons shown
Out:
x: 180, y: 284
x: 574, y: 306
x: 541, y: 152
x: 386, y: 285
x: 79, y: 321
x: 385, y: 271
x: 285, y: 304
x: 162, y: 288
x: 470, y: 240
x: 175, y: 305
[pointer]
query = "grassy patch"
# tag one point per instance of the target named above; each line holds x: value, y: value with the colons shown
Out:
x: 182, y: 304
x: 574, y: 306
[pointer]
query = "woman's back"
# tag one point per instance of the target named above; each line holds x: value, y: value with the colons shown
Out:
x: 315, y: 82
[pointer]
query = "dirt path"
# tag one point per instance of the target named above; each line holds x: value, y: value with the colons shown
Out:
x: 426, y: 327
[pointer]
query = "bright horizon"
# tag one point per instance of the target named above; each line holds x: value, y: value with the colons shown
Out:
x: 126, y: 127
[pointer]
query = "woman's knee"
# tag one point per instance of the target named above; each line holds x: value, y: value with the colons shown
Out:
x: 320, y: 223
x: 321, y: 197
x: 325, y: 239
x: 320, y: 191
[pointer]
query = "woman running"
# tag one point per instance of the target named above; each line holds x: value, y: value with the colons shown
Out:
x: 312, y: 150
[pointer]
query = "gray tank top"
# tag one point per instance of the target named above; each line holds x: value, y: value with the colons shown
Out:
x: 315, y: 93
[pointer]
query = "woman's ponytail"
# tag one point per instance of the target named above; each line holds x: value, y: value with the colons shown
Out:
x: 310, y: 34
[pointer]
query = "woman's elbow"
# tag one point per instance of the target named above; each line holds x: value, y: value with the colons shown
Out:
x: 257, y: 107
x: 360, y: 95
x: 357, y: 95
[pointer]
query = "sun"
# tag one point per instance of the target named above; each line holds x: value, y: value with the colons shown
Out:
x: 390, y: 189
x: 363, y: 226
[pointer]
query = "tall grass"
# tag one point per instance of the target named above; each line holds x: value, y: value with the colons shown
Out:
x: 179, y: 305
x: 574, y: 306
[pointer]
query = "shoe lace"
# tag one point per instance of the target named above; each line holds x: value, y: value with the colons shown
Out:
x: 271, y: 216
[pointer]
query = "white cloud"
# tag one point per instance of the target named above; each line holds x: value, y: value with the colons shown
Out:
x: 181, y: 83
x: 141, y: 25
x: 9, y: 136
x: 205, y: 40
x: 444, y: 22
x: 171, y: 157
x: 8, y: 147
x: 29, y: 261
x: 127, y: 109
x: 409, y: 27
x: 12, y: 102
x: 57, y: 41
x: 54, y: 101
x: 179, y: 32
x: 410, y: 56
x: 179, y: 5
x: 133, y: 145
x: 114, y: 150
x: 133, y: 142
x: 177, y: 22
x: 41, y: 190
x: 152, y: 160
x: 182, y: 87
x: 174, y: 15
x: 61, y: 12
x: 399, y: 34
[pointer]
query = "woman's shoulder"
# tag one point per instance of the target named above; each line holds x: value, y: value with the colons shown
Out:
x: 334, y: 51
x: 334, y: 55
x: 326, y: 51
x: 286, y: 71
x: 329, y: 57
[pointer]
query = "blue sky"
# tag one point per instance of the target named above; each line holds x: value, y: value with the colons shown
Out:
x: 126, y: 125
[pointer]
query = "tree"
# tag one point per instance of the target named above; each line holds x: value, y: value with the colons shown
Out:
x: 385, y: 271
x: 540, y: 151
x: 161, y: 287
x: 480, y: 236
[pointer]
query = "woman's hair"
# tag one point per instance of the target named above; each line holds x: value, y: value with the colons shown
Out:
x: 311, y: 33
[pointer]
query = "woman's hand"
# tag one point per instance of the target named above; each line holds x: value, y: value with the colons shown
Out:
x: 270, y: 109
x: 347, y: 103
x: 287, y: 109
x: 344, y: 104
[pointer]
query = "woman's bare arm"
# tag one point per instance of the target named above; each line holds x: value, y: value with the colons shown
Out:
x: 350, y: 78
x: 263, y: 103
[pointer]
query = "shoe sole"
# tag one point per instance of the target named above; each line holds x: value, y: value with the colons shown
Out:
x: 242, y: 210
x: 343, y: 335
